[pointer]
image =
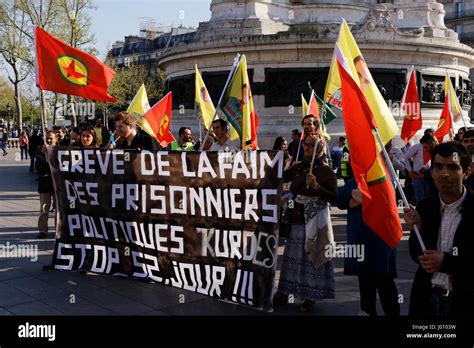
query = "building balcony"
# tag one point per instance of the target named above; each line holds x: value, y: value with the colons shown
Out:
x: 454, y: 16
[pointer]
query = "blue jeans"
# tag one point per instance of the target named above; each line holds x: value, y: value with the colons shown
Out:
x: 421, y: 188
x: 4, y: 146
x: 32, y: 162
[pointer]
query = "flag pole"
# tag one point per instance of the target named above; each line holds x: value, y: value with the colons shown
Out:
x: 42, y: 113
x: 397, y: 182
x: 313, y: 158
x: 229, y: 79
x: 299, y: 146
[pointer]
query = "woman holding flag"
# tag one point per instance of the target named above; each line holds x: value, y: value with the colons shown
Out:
x: 314, y: 180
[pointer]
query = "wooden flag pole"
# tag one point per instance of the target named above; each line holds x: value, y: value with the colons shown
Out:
x: 229, y: 78
x: 399, y: 186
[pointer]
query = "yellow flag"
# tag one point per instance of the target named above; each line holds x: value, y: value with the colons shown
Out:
x: 454, y: 105
x: 204, y: 106
x: 237, y: 105
x: 304, y: 106
x: 138, y: 107
x: 348, y: 47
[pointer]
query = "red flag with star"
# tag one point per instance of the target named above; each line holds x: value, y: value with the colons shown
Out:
x: 64, y: 69
x: 159, y: 119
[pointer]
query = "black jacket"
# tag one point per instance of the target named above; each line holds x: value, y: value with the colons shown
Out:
x: 140, y: 142
x: 45, y: 180
x: 460, y: 266
x: 35, y: 142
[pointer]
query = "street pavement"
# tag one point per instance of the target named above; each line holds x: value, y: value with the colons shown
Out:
x: 26, y: 289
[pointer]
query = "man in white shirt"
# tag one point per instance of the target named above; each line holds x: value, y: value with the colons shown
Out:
x: 223, y: 142
x: 444, y: 282
x: 420, y: 168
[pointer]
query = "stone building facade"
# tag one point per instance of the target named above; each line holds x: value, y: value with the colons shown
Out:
x: 291, y: 42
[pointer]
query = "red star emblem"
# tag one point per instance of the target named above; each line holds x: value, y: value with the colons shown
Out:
x: 71, y: 70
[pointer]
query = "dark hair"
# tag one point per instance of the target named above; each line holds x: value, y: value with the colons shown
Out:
x: 342, y: 138
x: 469, y: 133
x: 356, y: 59
x: 315, y: 122
x: 35, y: 132
x: 447, y: 149
x: 223, y: 123
x: 428, y: 131
x: 94, y: 135
x: 427, y: 138
x: 126, y: 117
x: 278, y: 142
x: 182, y: 129
x: 295, y: 132
x: 76, y: 130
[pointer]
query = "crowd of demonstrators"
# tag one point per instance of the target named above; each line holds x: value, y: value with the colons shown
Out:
x: 442, y: 189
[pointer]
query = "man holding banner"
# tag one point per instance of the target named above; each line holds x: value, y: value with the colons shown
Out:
x: 125, y: 128
x: 223, y: 142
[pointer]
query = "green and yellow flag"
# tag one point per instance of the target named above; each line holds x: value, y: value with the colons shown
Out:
x: 237, y: 105
x: 138, y: 107
x: 348, y: 47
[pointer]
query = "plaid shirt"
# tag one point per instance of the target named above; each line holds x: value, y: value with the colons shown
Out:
x: 450, y: 219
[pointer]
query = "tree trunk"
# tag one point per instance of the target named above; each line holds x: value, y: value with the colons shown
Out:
x: 18, y: 95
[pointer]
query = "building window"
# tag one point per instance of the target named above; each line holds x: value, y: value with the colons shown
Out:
x: 458, y: 29
x: 459, y: 9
